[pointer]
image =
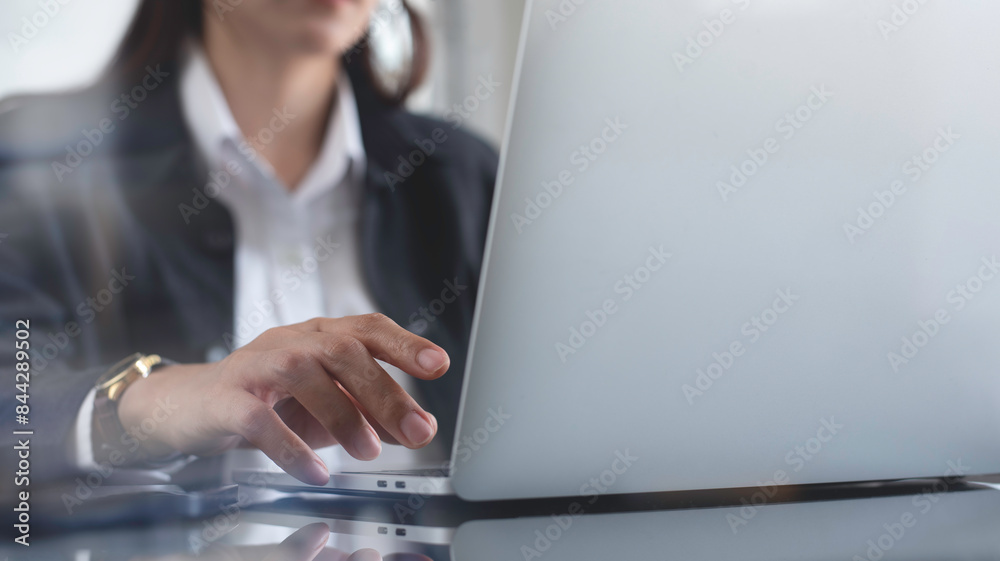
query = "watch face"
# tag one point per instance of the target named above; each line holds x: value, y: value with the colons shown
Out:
x: 117, y: 372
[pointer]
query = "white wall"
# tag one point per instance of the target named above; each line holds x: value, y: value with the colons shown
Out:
x: 68, y: 49
x: 475, y: 39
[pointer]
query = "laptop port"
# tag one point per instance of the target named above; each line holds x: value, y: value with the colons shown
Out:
x: 400, y: 531
x: 401, y: 485
x: 383, y: 483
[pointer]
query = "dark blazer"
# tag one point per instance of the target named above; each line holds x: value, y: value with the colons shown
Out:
x: 105, y: 261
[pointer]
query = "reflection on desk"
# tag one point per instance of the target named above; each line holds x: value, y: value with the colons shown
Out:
x: 928, y: 524
x: 309, y: 543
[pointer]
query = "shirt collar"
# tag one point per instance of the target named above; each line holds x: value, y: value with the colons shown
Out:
x: 208, y: 117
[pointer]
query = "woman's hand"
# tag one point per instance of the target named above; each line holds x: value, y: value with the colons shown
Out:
x: 291, y: 390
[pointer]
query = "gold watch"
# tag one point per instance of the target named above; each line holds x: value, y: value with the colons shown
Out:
x: 114, y: 382
x: 114, y: 444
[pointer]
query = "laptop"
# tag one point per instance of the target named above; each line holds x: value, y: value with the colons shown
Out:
x: 736, y: 244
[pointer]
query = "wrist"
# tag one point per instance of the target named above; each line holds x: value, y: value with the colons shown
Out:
x: 149, y: 408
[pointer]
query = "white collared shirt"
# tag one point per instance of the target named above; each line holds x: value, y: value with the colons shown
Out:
x: 296, y: 254
x: 296, y: 251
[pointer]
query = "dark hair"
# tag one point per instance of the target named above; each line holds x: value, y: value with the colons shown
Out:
x: 159, y: 28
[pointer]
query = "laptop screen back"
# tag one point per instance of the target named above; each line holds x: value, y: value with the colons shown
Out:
x: 741, y: 242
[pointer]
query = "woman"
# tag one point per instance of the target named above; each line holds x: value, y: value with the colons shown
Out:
x: 251, y: 185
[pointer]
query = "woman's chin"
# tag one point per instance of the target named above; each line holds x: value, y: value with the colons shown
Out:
x: 328, y: 37
x: 334, y: 3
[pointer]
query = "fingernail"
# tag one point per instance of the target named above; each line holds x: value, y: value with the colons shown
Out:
x: 367, y: 445
x: 317, y: 473
x: 416, y: 429
x: 431, y: 359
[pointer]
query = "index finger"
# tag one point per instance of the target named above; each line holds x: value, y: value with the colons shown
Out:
x: 389, y: 342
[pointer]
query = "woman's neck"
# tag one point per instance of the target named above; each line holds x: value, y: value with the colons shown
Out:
x: 261, y: 81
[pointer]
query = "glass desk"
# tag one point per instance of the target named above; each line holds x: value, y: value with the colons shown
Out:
x: 933, y: 520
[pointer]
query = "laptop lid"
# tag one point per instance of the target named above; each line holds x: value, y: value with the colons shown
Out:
x: 740, y: 243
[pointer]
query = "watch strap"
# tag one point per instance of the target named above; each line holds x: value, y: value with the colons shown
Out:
x: 114, y: 444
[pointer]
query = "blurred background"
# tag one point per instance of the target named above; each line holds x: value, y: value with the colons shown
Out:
x: 473, y: 39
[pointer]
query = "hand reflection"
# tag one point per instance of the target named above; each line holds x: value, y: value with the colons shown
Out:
x: 306, y: 544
